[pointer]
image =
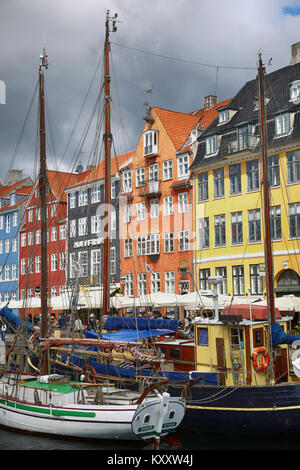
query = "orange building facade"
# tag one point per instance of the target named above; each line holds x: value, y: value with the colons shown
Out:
x: 156, y: 204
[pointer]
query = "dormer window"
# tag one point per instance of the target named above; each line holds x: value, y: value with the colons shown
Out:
x: 295, y: 91
x: 211, y: 145
x: 150, y: 143
x: 282, y: 124
x: 223, y: 116
x: 12, y: 199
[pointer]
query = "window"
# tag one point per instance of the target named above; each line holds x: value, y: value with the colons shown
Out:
x: 95, y: 194
x: 38, y: 213
x: 62, y: 261
x: 83, y: 197
x: 273, y: 171
x: 142, y: 284
x: 72, y: 265
x: 72, y: 200
x: 168, y: 205
x: 168, y: 170
x: 170, y: 282
x: 246, y: 137
x: 282, y: 124
x: 295, y: 91
x: 153, y: 177
x: 37, y: 237
x: 238, y: 280
x: 129, y: 284
x: 140, y: 177
x: 220, y: 232
x: 148, y: 244
x: 235, y: 179
x: 95, y: 263
x: 293, y: 166
x: 7, y: 225
x: 184, y: 287
x: 183, y: 166
x: 23, y: 294
x: 128, y: 247
x: 23, y: 265
x: 30, y: 215
x: 127, y: 213
x: 113, y: 219
x: 1, y: 246
x: 15, y: 219
x: 62, y: 232
x: 184, y: 240
x: 112, y: 260
x: 54, y: 262
x: 256, y: 282
x: 6, y: 272
x: 37, y: 264
x: 140, y: 211
x: 113, y: 189
x: 203, y: 232
x: 150, y: 143
x: 182, y: 203
x: 154, y: 209
x: 203, y: 278
x: 222, y: 286
x: 219, y: 182
x: 1, y: 221
x: 83, y: 263
x: 253, y: 175
x: 95, y: 224
x: 14, y: 244
x: 127, y: 181
x: 211, y: 145
x: 53, y: 234
x: 169, y: 242
x: 254, y: 225
x: 223, y: 116
x: 258, y: 337
x: 236, y: 228
x: 30, y: 265
x: 275, y: 222
x: 30, y: 238
x: 203, y: 187
x: 53, y: 210
x: 82, y: 226
x: 155, y: 282
x: 7, y: 245
x: 53, y: 291
x: 73, y: 228
x: 294, y: 220
x: 202, y: 336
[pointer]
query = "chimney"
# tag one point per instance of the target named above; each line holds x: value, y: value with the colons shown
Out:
x: 295, y: 53
x: 209, y: 101
x: 14, y: 176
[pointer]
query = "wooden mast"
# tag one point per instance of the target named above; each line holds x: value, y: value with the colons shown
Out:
x: 107, y: 184
x: 266, y: 196
x: 44, y: 367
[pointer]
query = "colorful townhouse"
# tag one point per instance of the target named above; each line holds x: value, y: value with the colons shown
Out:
x: 13, y: 199
x: 228, y: 219
x: 156, y: 203
x: 30, y: 240
x: 86, y: 217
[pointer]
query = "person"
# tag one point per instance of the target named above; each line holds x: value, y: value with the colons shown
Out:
x: 92, y: 322
x: 78, y: 325
x: 62, y: 322
x: 3, y: 332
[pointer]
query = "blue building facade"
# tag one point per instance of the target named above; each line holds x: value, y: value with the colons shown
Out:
x: 13, y: 201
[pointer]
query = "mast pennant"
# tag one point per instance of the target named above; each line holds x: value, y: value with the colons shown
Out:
x: 44, y: 59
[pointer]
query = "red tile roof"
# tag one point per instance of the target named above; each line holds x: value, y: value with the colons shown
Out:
x: 209, y: 115
x: 5, y: 190
x: 178, y: 125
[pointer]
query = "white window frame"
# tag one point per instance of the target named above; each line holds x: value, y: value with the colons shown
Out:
x: 167, y: 170
x: 183, y: 166
x: 168, y: 205
x: 183, y: 203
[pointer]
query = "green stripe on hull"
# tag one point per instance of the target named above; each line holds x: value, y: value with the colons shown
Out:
x: 47, y: 411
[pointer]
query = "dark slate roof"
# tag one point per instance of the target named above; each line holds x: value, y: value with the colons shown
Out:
x: 277, y: 92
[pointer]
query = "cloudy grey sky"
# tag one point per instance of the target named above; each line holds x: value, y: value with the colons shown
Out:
x: 216, y: 32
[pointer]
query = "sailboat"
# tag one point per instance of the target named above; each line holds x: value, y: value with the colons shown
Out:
x: 53, y: 404
x: 248, y: 352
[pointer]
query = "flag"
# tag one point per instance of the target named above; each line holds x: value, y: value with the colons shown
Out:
x: 148, y: 269
x: 44, y: 59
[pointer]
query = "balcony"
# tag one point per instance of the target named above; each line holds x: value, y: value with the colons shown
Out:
x: 150, y: 188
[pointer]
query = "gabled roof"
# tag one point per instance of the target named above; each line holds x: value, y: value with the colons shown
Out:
x: 98, y: 172
x: 6, y: 190
x: 177, y: 125
x: 277, y: 101
x: 14, y: 206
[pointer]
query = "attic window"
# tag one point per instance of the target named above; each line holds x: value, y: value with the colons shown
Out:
x: 211, y: 145
x: 223, y: 116
x: 282, y: 124
x: 150, y: 143
x: 295, y: 91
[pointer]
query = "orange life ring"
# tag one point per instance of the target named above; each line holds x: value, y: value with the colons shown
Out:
x: 264, y: 362
x: 86, y: 374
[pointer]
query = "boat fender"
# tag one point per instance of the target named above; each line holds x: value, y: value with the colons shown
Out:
x: 264, y: 361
